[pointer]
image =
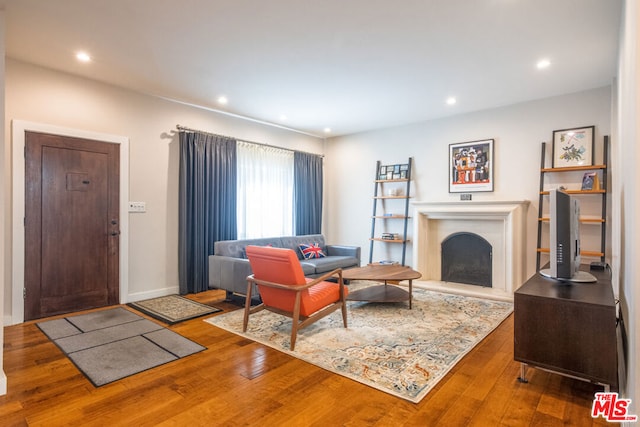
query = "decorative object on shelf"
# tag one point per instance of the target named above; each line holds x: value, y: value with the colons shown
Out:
x: 471, y: 166
x: 383, y: 173
x: 590, y: 181
x: 392, y: 172
x: 573, y: 147
x: 390, y: 236
x: 394, y: 192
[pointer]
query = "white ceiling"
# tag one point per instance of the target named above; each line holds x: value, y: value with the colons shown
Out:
x: 350, y: 65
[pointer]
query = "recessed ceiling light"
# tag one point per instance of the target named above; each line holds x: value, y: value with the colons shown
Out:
x: 543, y: 63
x: 451, y: 100
x: 223, y: 100
x: 83, y: 57
x: 327, y: 130
x: 283, y: 117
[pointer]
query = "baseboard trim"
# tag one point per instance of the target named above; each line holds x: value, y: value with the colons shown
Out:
x: 3, y: 383
x: 139, y: 296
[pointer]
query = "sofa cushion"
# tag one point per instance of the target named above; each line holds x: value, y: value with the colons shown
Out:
x: 322, y: 265
x: 244, y: 250
x: 308, y: 269
x: 311, y: 251
x: 236, y: 248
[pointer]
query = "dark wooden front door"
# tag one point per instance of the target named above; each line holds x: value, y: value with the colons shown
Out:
x: 71, y: 224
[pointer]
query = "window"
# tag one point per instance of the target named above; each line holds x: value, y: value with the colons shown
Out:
x: 265, y: 191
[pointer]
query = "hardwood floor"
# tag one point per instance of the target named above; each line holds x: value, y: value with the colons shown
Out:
x: 239, y: 382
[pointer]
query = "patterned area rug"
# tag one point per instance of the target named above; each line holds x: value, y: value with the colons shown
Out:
x: 386, y: 346
x: 111, y: 344
x: 173, y: 308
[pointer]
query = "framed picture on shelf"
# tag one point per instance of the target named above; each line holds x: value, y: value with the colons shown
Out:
x: 471, y: 166
x: 573, y: 147
x: 382, y: 173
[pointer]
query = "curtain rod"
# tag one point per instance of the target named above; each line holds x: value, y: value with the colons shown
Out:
x: 187, y: 129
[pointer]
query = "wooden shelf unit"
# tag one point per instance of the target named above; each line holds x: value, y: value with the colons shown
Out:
x: 602, y: 192
x: 379, y: 199
x: 583, y: 253
x: 574, y: 168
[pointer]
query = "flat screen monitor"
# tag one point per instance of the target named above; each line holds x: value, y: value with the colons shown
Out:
x: 564, y: 239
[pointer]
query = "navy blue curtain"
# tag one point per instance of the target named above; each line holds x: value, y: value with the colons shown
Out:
x: 307, y: 193
x: 207, y: 204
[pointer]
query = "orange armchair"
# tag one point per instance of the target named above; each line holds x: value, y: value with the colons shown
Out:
x: 285, y: 290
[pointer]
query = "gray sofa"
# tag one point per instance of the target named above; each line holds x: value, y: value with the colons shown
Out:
x: 229, y: 267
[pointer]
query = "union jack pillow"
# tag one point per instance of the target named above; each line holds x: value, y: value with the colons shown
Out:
x: 311, y: 251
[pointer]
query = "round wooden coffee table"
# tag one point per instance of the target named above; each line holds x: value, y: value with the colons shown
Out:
x: 390, y: 275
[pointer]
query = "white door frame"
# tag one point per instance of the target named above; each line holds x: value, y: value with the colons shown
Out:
x: 18, y: 128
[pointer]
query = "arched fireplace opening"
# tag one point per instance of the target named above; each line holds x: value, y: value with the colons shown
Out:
x: 466, y: 258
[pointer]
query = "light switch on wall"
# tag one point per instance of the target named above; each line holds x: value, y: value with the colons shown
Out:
x: 137, y: 207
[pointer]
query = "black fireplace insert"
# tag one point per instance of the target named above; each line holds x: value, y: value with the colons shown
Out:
x: 466, y: 258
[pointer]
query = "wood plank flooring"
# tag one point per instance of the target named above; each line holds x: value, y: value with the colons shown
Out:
x: 238, y: 382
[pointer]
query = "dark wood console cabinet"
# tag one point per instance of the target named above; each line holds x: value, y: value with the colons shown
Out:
x: 568, y: 328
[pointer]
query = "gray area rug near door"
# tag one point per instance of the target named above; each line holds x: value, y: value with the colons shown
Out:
x: 112, y: 344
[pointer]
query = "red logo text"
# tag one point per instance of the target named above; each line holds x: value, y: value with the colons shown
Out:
x: 612, y: 408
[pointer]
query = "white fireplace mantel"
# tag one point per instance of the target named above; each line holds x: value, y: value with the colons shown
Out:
x: 501, y: 223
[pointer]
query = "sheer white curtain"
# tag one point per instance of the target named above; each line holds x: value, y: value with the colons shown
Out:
x: 265, y: 191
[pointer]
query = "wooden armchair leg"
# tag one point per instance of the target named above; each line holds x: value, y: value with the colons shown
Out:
x: 295, y: 321
x: 344, y: 313
x: 247, y: 307
x: 343, y: 301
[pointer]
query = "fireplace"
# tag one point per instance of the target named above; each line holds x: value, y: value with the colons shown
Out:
x: 466, y: 258
x: 502, y: 224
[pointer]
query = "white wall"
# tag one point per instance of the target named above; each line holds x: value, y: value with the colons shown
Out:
x: 4, y: 194
x: 518, y: 131
x: 627, y: 191
x: 41, y: 95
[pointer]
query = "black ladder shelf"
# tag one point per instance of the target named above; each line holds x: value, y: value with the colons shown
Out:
x: 396, y: 179
x: 602, y: 191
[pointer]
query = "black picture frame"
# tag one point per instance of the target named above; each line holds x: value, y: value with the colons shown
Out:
x: 573, y: 147
x: 471, y: 166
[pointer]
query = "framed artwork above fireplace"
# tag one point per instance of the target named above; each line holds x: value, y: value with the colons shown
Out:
x: 471, y: 166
